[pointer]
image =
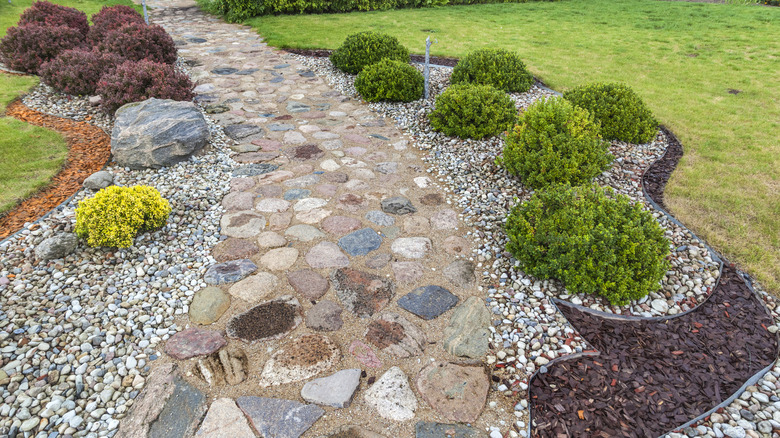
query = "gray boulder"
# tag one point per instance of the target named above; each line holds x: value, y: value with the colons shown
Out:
x: 157, y: 133
x: 57, y: 246
x: 99, y: 180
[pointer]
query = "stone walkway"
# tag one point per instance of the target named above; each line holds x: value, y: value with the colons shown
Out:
x: 343, y: 296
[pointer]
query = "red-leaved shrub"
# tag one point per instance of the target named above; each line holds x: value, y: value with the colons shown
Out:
x: 134, y: 81
x: 111, y: 18
x: 78, y: 71
x: 49, y: 14
x: 26, y: 47
x: 137, y: 41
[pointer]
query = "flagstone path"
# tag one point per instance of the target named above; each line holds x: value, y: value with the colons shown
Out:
x: 343, y: 300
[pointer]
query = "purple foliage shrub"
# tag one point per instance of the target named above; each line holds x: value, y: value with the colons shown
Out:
x: 27, y: 47
x: 137, y: 41
x: 78, y: 71
x: 109, y: 19
x: 50, y: 14
x: 134, y: 81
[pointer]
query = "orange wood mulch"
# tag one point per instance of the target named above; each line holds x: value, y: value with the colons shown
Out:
x: 89, y: 148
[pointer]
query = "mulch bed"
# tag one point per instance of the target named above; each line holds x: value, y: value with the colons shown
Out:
x: 657, y: 175
x: 651, y: 377
x: 89, y: 148
x: 324, y: 53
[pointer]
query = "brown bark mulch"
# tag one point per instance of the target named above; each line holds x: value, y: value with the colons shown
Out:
x: 89, y: 148
x: 657, y: 175
x: 652, y: 376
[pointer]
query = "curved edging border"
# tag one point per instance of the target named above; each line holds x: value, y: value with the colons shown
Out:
x: 69, y: 159
x: 717, y: 257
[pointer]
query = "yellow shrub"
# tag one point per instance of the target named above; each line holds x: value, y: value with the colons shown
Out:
x: 115, y: 215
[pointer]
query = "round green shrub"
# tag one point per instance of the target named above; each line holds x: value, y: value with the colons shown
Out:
x: 390, y: 80
x: 473, y: 111
x: 497, y: 67
x: 115, y: 215
x: 365, y: 48
x: 593, y: 241
x: 555, y: 142
x: 622, y: 113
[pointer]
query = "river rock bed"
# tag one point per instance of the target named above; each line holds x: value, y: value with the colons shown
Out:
x: 78, y: 335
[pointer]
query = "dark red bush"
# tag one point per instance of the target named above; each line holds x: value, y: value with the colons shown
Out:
x: 25, y: 48
x: 111, y: 18
x: 78, y: 71
x: 137, y: 41
x: 134, y: 81
x: 49, y: 14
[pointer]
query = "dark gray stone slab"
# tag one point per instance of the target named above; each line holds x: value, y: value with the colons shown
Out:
x: 224, y: 71
x: 425, y: 429
x: 297, y: 107
x: 254, y: 169
x: 281, y: 127
x: 398, y: 205
x: 229, y: 272
x: 248, y: 71
x: 278, y: 418
x: 239, y: 131
x: 294, y: 194
x: 360, y: 242
x: 428, y: 302
x: 181, y: 414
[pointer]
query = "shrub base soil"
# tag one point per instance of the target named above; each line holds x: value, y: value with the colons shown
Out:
x: 89, y: 149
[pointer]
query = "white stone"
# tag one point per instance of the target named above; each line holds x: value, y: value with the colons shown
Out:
x: 411, y: 247
x: 335, y: 390
x: 392, y: 396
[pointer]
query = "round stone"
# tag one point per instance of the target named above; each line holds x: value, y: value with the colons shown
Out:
x: 308, y: 283
x: 255, y: 288
x: 279, y: 259
x: 340, y: 225
x: 324, y: 316
x: 194, y: 342
x: 326, y: 255
x: 233, y: 249
x: 208, y: 305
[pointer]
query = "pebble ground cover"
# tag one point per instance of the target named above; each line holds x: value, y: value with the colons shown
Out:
x: 317, y: 168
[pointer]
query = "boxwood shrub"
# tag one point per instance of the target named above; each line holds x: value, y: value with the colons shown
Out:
x: 26, y: 48
x: 49, y: 14
x: 134, y: 81
x: 590, y: 239
x: 622, y: 113
x: 497, y: 67
x: 365, y: 48
x: 78, y: 71
x: 390, y: 80
x: 137, y: 41
x: 115, y: 215
x: 555, y: 142
x: 473, y: 111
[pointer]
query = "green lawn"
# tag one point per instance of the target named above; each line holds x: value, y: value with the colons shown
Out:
x: 681, y: 57
x: 31, y: 155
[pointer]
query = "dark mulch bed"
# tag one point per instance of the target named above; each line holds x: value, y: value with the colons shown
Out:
x: 652, y: 376
x: 324, y: 53
x: 89, y: 148
x: 656, y: 176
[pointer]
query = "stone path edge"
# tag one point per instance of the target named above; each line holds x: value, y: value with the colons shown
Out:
x: 718, y: 257
x: 61, y: 204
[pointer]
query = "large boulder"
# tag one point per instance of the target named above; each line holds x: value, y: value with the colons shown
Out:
x: 157, y: 133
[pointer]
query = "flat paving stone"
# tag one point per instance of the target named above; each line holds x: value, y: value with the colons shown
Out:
x: 278, y: 418
x: 392, y: 396
x: 446, y: 219
x: 234, y: 249
x: 296, y: 194
x: 467, y: 334
x: 360, y: 242
x: 428, y: 302
x: 224, y: 419
x: 255, y: 157
x: 335, y: 390
x: 194, y: 342
x: 378, y: 261
x: 229, y: 272
x: 407, y: 272
x: 301, y: 359
x: 325, y: 316
x: 304, y: 233
x: 461, y: 273
x: 305, y: 152
x: 255, y: 288
x: 398, y: 205
x: 340, y: 225
x: 362, y: 293
x: 308, y: 283
x: 380, y: 218
x: 270, y: 239
x: 208, y: 304
x: 242, y: 224
x: 279, y: 259
x: 237, y: 201
x: 396, y: 335
x: 411, y: 247
x: 326, y: 255
x: 272, y: 205
x: 224, y: 71
x: 241, y: 131
x: 254, y: 169
x: 269, y: 320
x: 364, y: 354
x: 425, y: 429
